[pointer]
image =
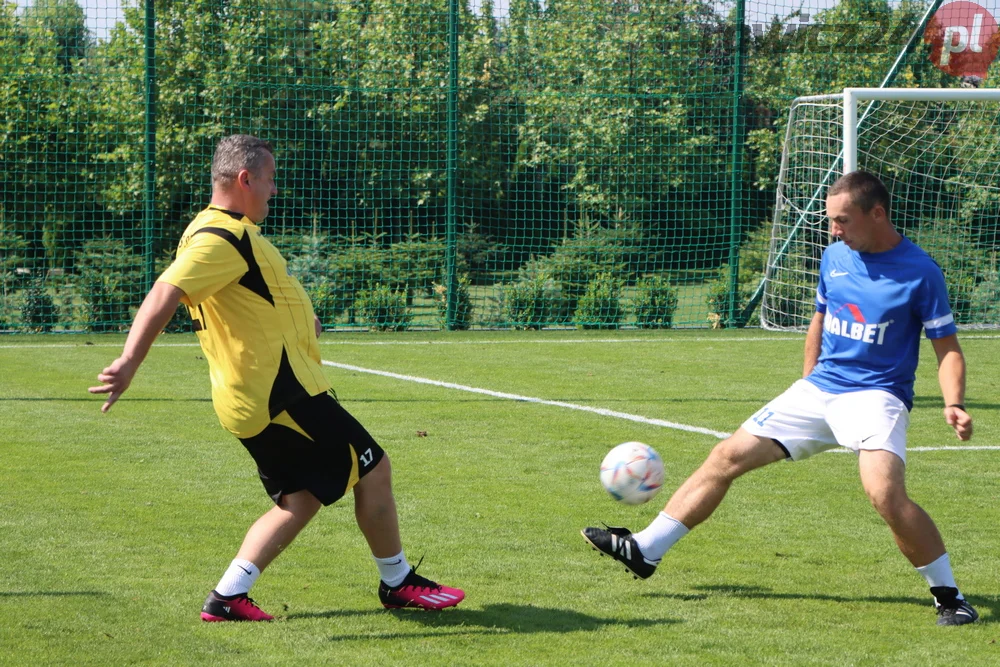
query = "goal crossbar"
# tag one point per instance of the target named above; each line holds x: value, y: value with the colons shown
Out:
x: 852, y: 96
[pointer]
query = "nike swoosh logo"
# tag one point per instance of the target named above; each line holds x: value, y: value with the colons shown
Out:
x: 837, y: 274
x: 396, y: 563
x: 248, y: 571
x: 868, y: 438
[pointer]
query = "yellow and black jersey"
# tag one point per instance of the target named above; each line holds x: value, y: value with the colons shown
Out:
x: 254, y: 321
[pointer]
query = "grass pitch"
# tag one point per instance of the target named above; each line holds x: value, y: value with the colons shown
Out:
x: 114, y: 527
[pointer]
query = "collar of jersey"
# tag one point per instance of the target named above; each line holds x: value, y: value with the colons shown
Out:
x: 233, y: 214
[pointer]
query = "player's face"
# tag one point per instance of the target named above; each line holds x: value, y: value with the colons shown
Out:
x: 848, y: 223
x: 260, y: 188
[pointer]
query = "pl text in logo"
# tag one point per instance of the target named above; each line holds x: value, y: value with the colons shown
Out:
x: 963, y: 38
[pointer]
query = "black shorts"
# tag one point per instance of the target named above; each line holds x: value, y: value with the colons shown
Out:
x: 314, y: 445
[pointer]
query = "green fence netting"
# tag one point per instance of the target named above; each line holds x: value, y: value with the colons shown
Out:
x: 441, y: 163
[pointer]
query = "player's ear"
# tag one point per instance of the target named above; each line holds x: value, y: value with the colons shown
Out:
x: 243, y: 178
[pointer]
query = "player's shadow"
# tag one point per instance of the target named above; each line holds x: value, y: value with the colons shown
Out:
x: 491, y: 619
x: 980, y: 602
x: 930, y: 401
x: 97, y: 400
x: 53, y: 594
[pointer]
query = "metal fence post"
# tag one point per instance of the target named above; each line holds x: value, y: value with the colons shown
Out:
x: 736, y: 167
x: 451, y: 232
x: 149, y: 190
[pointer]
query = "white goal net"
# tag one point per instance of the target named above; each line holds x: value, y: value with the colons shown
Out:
x: 938, y: 152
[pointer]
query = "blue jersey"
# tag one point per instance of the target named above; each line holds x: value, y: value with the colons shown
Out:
x: 875, y: 305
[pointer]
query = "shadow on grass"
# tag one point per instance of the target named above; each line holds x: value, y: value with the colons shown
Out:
x: 931, y: 401
x: 491, y: 619
x: 980, y: 602
x: 97, y: 400
x: 52, y: 594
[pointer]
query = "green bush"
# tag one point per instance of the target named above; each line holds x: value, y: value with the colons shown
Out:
x: 38, y: 311
x: 578, y: 261
x: 326, y: 299
x: 985, y: 298
x: 383, y: 309
x: 109, y: 283
x: 180, y: 321
x: 964, y: 264
x: 414, y: 265
x: 527, y: 304
x: 477, y: 254
x: 463, y: 306
x: 791, y: 299
x: 569, y: 274
x: 600, y: 306
x: 654, y: 303
x: 351, y: 270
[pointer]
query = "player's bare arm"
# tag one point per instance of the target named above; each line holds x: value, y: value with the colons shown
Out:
x: 154, y: 314
x: 814, y: 342
x: 951, y: 377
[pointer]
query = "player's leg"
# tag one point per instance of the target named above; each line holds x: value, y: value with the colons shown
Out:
x: 343, y: 456
x: 699, y: 496
x: 267, y: 538
x: 791, y: 426
x: 874, y: 423
x: 400, y: 585
x: 691, y: 504
x: 276, y: 529
x: 375, y: 511
x: 883, y: 478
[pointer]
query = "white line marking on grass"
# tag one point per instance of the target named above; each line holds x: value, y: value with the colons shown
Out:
x: 965, y: 448
x: 529, y: 399
x: 603, y: 411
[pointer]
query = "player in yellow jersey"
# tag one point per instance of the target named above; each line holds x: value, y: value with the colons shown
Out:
x: 258, y: 331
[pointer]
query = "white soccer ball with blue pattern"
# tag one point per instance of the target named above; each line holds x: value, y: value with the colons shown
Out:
x: 632, y: 473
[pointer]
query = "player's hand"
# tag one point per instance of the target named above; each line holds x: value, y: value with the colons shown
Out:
x: 959, y: 420
x: 319, y: 326
x: 115, y: 378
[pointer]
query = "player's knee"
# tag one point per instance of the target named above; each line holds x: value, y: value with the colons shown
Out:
x: 378, y: 477
x: 889, y: 501
x: 727, y: 461
x: 303, y: 505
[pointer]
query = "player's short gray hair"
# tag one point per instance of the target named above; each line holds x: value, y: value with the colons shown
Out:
x: 237, y: 152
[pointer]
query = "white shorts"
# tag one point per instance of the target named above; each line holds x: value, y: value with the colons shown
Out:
x: 806, y: 420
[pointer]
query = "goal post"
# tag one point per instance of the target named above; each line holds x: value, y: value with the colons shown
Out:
x: 937, y: 150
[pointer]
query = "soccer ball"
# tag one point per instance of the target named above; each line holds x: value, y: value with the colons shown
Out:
x: 632, y: 473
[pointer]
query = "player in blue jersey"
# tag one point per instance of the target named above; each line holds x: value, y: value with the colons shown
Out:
x: 877, y: 291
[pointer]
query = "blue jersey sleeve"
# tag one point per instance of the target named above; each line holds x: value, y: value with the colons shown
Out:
x: 932, y: 304
x: 821, y: 286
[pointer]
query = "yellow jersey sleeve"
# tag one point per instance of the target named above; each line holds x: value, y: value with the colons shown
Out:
x: 203, y: 267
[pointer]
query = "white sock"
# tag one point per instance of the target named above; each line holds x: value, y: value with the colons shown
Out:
x: 238, y: 578
x: 939, y: 573
x: 659, y: 536
x: 393, y: 569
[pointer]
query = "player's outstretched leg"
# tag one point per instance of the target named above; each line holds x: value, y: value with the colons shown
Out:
x: 400, y: 585
x: 882, y: 475
x: 691, y: 504
x: 267, y: 537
